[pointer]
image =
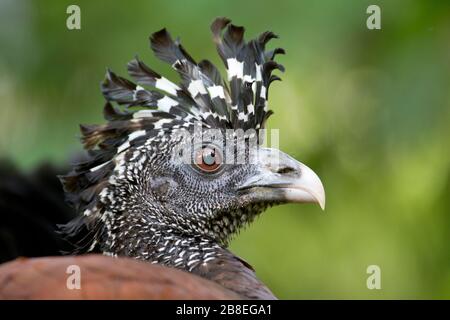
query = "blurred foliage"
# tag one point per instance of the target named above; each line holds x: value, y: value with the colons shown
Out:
x: 369, y: 111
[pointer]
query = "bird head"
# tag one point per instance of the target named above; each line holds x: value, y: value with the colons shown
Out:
x: 188, y: 160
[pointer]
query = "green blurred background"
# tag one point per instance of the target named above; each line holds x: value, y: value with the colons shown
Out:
x: 369, y: 111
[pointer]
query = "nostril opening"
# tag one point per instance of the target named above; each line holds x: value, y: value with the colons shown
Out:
x: 283, y: 170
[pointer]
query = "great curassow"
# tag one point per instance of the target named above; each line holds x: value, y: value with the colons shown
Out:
x: 159, y: 184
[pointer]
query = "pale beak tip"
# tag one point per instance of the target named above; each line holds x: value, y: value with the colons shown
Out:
x: 311, y: 183
x: 319, y: 197
x: 322, y: 204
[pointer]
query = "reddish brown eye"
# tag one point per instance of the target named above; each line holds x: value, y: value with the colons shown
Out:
x: 208, y: 159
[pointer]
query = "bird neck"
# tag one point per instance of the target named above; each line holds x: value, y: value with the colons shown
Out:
x: 196, y: 254
x: 182, y: 251
x: 159, y: 243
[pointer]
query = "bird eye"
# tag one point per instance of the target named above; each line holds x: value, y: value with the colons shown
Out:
x: 208, y: 159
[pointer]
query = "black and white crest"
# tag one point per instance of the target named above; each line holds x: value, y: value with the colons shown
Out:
x: 202, y: 95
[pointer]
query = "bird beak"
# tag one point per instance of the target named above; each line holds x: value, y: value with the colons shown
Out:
x: 280, y: 178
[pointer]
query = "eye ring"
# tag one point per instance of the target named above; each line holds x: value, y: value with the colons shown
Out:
x: 208, y: 159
